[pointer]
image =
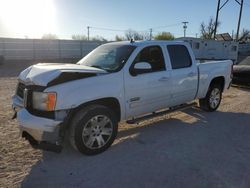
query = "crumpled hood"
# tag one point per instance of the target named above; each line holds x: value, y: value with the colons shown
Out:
x: 44, y: 74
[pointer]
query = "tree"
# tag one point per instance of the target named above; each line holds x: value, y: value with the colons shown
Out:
x: 132, y: 34
x: 244, y: 36
x: 164, y: 36
x: 207, y: 31
x: 49, y: 36
x: 84, y: 37
x: 98, y: 38
x: 79, y: 37
x: 119, y: 38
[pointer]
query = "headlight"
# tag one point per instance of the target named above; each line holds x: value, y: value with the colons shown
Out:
x: 44, y: 101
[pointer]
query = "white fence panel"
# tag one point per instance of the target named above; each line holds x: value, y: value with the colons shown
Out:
x: 40, y: 49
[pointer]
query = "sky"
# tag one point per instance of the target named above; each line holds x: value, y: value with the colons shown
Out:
x: 108, y: 18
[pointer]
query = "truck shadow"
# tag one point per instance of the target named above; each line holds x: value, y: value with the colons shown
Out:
x: 190, y: 149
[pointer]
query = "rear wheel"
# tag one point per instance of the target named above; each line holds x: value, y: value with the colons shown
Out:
x: 93, y: 129
x: 212, y: 100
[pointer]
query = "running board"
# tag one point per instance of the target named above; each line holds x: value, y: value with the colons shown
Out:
x: 156, y: 114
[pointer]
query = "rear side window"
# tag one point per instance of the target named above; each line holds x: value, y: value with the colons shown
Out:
x: 179, y: 56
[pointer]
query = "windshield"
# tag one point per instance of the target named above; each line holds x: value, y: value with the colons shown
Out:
x: 109, y: 57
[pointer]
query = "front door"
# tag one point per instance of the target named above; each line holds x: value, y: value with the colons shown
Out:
x: 149, y: 90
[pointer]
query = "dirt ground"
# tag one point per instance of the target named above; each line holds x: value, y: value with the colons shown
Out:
x: 190, y: 148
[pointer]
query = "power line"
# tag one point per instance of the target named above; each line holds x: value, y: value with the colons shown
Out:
x: 165, y: 26
x: 106, y: 29
x: 123, y: 30
x: 156, y: 29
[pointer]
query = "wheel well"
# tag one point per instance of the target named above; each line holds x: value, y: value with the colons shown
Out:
x: 218, y: 81
x: 109, y: 102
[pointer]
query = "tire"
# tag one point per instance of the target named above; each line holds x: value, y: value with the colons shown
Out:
x: 93, y: 129
x: 213, y: 98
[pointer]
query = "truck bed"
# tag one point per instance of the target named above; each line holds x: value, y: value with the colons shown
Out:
x: 210, y: 69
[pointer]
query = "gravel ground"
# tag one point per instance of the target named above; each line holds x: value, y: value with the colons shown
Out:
x: 190, y: 148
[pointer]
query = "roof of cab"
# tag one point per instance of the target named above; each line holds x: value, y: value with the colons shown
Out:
x: 147, y: 42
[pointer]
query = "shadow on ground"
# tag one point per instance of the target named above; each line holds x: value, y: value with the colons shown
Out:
x: 212, y: 151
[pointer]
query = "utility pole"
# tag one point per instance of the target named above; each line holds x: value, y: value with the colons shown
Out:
x: 185, y: 27
x: 216, y: 19
x: 238, y: 28
x: 88, y: 31
x: 150, y: 35
x: 217, y: 15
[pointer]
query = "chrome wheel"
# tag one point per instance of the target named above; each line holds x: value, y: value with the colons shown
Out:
x: 97, y: 131
x: 215, y: 97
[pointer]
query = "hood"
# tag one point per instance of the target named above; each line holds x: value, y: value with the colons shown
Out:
x: 48, y: 74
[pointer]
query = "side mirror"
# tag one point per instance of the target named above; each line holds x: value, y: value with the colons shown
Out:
x: 140, y: 68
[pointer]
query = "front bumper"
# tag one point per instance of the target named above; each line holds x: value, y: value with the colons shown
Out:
x: 41, y: 129
x: 42, y: 133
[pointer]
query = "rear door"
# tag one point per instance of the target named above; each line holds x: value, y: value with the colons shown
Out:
x: 184, y: 74
x: 148, y: 91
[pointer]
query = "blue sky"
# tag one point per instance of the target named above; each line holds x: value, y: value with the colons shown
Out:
x: 33, y: 18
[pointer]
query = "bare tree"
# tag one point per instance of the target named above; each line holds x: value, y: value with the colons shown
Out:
x: 49, y: 36
x: 79, y: 37
x: 83, y: 37
x: 207, y: 31
x: 98, y: 38
x: 244, y: 36
x: 131, y: 34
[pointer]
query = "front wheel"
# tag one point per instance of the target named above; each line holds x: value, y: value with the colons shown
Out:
x: 212, y: 100
x: 93, y: 129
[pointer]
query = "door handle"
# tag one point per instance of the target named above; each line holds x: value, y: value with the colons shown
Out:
x: 163, y: 79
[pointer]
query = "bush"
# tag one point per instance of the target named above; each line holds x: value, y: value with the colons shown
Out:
x: 164, y: 36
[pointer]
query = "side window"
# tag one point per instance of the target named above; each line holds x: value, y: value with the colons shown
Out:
x: 179, y: 56
x: 152, y: 55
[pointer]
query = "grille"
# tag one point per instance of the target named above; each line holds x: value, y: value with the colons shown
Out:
x: 20, y: 89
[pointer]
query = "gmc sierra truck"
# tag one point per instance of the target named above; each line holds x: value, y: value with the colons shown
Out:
x: 120, y: 81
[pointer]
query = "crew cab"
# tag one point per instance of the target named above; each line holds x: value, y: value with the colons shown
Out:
x: 119, y: 81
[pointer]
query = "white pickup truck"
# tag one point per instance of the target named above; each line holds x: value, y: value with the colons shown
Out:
x: 115, y: 82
